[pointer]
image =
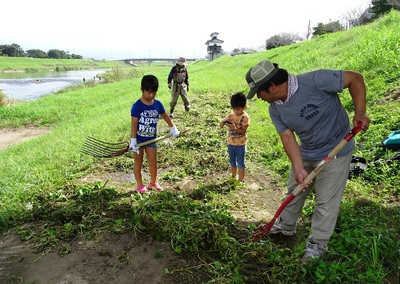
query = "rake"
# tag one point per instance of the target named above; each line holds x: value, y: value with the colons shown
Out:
x: 262, y: 230
x: 101, y: 149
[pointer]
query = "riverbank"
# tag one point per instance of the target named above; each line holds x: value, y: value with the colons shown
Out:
x: 27, y: 64
x: 12, y: 71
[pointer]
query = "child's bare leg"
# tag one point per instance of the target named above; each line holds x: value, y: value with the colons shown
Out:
x: 137, y: 167
x: 242, y: 172
x: 233, y: 171
x: 152, y: 160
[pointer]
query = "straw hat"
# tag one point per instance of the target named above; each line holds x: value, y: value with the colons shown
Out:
x: 181, y: 61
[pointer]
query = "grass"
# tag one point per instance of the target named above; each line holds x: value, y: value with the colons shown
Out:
x: 29, y: 64
x: 41, y: 199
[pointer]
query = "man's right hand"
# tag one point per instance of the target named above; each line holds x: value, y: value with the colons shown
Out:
x: 169, y: 86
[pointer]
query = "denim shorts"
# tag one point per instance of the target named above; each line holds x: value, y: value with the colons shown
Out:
x: 152, y: 145
x: 236, y: 156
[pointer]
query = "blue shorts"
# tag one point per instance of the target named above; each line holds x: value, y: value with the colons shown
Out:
x: 236, y: 156
x: 152, y: 145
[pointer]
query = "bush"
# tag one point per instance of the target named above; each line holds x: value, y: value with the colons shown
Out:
x: 118, y: 74
x: 3, y: 100
x: 281, y: 40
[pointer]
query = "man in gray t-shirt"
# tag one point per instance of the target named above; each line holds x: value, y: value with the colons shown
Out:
x: 308, y: 106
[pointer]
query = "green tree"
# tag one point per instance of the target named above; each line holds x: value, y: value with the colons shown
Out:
x: 36, y: 53
x: 381, y: 7
x: 13, y: 50
x: 330, y: 27
x: 56, y: 53
x: 281, y: 40
x: 76, y: 56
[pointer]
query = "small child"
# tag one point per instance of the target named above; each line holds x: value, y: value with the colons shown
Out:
x: 237, y: 121
x: 145, y: 113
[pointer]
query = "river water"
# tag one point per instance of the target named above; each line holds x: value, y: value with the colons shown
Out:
x: 31, y: 86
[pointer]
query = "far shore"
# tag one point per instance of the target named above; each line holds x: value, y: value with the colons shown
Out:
x: 12, y: 71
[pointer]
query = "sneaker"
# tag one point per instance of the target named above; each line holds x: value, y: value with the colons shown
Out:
x: 312, y: 252
x: 171, y: 115
x: 156, y: 186
x: 277, y: 228
x: 142, y: 189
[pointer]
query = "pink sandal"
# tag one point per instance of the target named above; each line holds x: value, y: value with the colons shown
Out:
x: 156, y: 186
x: 142, y: 189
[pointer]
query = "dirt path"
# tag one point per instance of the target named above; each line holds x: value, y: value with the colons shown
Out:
x: 113, y: 258
x: 14, y: 136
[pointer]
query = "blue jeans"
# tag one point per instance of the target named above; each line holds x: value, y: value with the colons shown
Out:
x: 236, y: 156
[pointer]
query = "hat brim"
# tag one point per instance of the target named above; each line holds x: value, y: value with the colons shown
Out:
x: 251, y: 93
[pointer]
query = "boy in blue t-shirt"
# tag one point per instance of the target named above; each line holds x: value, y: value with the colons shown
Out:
x: 145, y: 113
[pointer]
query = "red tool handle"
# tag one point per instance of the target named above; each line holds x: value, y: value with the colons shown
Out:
x: 328, y: 158
x: 263, y: 230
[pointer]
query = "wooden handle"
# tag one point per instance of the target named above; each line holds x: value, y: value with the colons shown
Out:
x: 160, y: 138
x: 327, y: 159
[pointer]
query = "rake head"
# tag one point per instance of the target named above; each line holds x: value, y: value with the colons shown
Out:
x: 261, y: 231
x: 101, y: 149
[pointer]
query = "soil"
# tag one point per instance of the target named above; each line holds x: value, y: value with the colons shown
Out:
x: 17, y: 135
x: 121, y: 258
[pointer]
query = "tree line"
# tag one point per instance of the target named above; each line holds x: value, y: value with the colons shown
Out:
x: 15, y: 50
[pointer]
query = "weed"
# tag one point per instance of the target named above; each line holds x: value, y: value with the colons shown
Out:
x: 3, y: 100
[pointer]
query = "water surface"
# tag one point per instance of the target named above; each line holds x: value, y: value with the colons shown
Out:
x: 31, y: 86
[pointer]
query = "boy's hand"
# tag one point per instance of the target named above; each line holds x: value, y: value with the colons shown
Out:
x: 229, y: 124
x: 133, y: 146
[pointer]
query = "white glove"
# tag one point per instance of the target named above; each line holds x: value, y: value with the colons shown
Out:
x: 133, y: 146
x: 174, y: 132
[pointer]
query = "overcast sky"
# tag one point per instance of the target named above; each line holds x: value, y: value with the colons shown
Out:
x: 120, y: 29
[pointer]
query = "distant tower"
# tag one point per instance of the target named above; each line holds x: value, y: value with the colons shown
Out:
x: 214, y: 46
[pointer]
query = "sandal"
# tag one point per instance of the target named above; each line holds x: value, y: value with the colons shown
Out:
x: 142, y: 189
x: 156, y: 186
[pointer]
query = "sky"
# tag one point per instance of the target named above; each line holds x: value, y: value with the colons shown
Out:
x: 122, y: 29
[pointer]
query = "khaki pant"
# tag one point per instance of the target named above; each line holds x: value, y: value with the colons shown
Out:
x: 179, y: 90
x: 329, y: 186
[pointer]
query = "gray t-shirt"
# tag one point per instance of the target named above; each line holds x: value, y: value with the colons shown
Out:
x: 315, y: 114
